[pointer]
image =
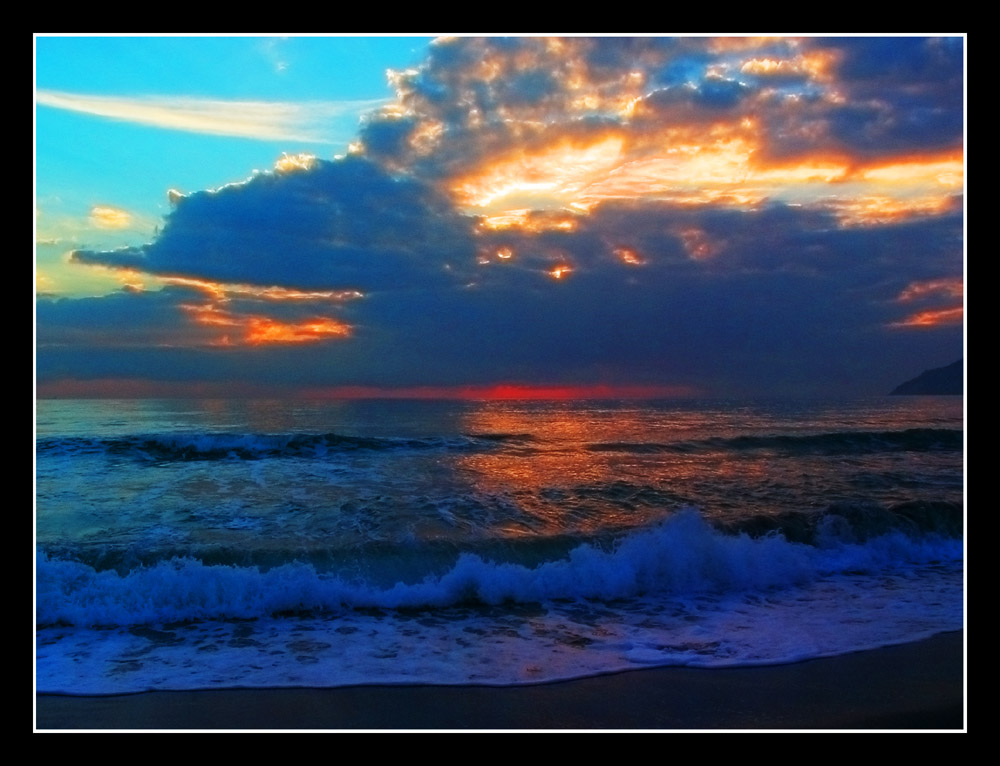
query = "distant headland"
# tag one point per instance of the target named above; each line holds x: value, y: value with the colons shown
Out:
x: 948, y: 380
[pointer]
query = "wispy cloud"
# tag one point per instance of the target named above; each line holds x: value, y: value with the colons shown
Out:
x: 263, y: 120
x: 105, y: 217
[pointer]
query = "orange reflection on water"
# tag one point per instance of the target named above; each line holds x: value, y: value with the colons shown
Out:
x: 560, y: 470
x: 559, y: 467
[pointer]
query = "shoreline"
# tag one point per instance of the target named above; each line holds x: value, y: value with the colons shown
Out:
x: 916, y: 686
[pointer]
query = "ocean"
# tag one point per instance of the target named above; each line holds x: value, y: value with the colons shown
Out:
x: 188, y: 544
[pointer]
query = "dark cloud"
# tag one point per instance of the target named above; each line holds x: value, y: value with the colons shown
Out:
x: 387, y: 138
x: 124, y: 318
x: 339, y: 225
x: 717, y: 93
x: 785, y: 294
x: 901, y: 94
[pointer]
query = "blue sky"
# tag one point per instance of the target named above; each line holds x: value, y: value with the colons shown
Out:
x: 347, y: 215
x: 86, y: 160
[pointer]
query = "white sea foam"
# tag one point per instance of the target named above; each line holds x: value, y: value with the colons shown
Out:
x: 494, y: 645
x: 678, y: 557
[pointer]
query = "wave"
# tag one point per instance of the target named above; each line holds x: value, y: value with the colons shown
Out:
x: 836, y: 443
x: 857, y: 522
x: 249, y: 446
x: 682, y: 555
x: 252, y: 446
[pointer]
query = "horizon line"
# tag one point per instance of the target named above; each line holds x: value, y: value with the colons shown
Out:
x: 504, y: 391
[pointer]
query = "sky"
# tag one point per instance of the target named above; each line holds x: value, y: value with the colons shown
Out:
x: 499, y: 217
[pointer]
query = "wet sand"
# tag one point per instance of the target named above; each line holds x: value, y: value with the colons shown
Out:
x: 916, y: 686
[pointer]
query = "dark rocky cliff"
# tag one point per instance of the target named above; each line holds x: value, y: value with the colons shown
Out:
x: 941, y: 380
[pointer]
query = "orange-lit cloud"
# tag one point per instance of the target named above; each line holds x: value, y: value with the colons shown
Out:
x: 220, y: 290
x: 256, y: 330
x: 698, y: 244
x: 947, y: 172
x: 530, y: 221
x: 558, y: 173
x: 263, y: 330
x: 131, y: 279
x: 210, y: 315
x: 289, y: 163
x: 502, y: 254
x: 242, y: 328
x: 952, y: 288
x: 933, y: 318
x: 931, y: 290
x: 629, y: 256
x: 715, y: 164
x: 882, y: 209
x: 105, y: 217
x: 813, y: 65
x: 560, y: 123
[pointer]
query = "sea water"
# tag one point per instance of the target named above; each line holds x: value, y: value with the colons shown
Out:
x: 190, y: 544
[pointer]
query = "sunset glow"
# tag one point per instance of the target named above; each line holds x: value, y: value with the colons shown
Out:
x: 504, y: 392
x: 698, y: 244
x: 510, y: 375
x: 629, y: 256
x: 876, y: 210
x: 558, y: 173
x: 263, y: 330
x: 289, y: 163
x: 255, y: 330
x: 733, y: 214
x: 220, y: 290
x: 952, y: 288
x: 529, y: 221
x: 559, y: 272
x: 947, y: 172
x: 933, y: 318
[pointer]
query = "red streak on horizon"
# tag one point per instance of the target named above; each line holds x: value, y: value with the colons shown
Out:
x: 503, y: 392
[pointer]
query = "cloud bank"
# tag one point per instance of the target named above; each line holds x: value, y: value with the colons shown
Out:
x: 705, y: 215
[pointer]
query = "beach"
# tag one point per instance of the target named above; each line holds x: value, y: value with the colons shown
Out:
x: 914, y: 686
